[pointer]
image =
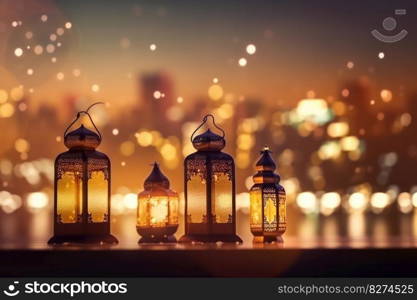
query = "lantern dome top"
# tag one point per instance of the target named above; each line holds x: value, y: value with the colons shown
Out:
x: 156, y: 179
x: 266, y: 167
x: 265, y: 162
x: 82, y: 137
x: 208, y: 141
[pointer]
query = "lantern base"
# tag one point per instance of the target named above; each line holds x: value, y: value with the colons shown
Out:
x: 107, y: 239
x: 190, y: 238
x: 157, y: 239
x: 268, y: 239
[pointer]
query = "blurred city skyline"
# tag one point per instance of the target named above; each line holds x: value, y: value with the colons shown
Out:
x: 335, y: 105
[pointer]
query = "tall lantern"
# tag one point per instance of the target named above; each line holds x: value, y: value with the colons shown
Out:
x: 210, y: 209
x: 267, y: 202
x: 82, y: 189
x: 158, y: 206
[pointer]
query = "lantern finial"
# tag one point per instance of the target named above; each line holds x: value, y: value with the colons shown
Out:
x: 156, y: 178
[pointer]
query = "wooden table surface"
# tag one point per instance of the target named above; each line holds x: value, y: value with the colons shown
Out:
x: 295, y: 257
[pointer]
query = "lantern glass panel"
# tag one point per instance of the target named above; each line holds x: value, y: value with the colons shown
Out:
x: 155, y: 210
x: 222, y: 190
x: 143, y: 210
x: 196, y: 191
x: 270, y: 210
x: 69, y: 197
x: 256, y: 210
x: 282, y: 208
x: 98, y: 190
x: 173, y: 209
x: 159, y: 211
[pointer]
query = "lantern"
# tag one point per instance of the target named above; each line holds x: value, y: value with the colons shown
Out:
x: 209, y: 190
x: 157, y: 218
x: 267, y: 202
x: 82, y: 189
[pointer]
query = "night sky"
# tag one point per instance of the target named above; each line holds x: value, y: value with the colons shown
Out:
x: 301, y: 46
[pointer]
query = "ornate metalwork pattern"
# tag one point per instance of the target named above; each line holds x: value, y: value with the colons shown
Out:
x: 270, y: 210
x: 222, y: 166
x: 98, y: 164
x: 282, y: 224
x: 196, y: 166
x: 74, y: 165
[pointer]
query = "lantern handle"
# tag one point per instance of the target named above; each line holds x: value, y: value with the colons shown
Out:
x: 204, y: 121
x: 89, y: 116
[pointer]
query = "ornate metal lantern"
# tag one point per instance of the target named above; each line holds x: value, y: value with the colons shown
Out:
x: 210, y: 214
x: 82, y: 189
x: 267, y: 202
x: 158, y: 207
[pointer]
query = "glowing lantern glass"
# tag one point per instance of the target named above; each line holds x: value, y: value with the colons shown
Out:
x: 158, y: 206
x: 210, y: 214
x: 267, y: 202
x: 82, y: 189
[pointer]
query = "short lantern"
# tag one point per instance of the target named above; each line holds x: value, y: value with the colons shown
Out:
x: 210, y: 208
x: 158, y: 206
x: 267, y: 202
x: 82, y: 189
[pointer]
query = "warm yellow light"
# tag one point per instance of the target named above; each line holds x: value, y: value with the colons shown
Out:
x: 386, y: 95
x: 338, y: 129
x: 144, y: 138
x: 18, y: 52
x: 17, y: 93
x: 405, y: 203
x: 307, y: 201
x: 6, y: 110
x: 97, y: 196
x: 349, y: 143
x: 69, y: 197
x: 21, y: 145
x: 225, y: 111
x: 222, y: 192
x: 358, y: 202
x: 127, y: 148
x: 3, y: 96
x: 130, y: 201
x: 37, y: 200
x: 251, y: 49
x: 314, y: 110
x: 331, y: 200
x: 243, y: 62
x: 242, y: 159
x: 329, y: 150
x: 245, y: 141
x: 95, y: 88
x: 168, y: 151
x: 379, y: 200
x: 215, y: 92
